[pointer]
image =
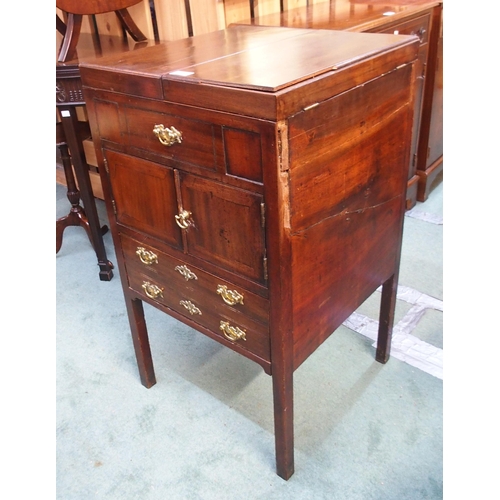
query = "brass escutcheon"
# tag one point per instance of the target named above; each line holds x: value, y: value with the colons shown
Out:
x: 186, y: 272
x: 230, y: 297
x: 190, y: 307
x: 183, y: 219
x: 232, y: 333
x: 147, y: 257
x: 167, y: 136
x: 152, y: 291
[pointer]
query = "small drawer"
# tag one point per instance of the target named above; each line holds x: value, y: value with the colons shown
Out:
x: 234, y: 328
x: 174, y: 137
x: 418, y: 26
x: 227, y: 310
x: 222, y: 295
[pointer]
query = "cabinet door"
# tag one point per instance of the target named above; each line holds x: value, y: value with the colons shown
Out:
x: 144, y: 196
x: 227, y: 226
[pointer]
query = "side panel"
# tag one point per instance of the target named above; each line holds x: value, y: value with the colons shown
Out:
x: 348, y: 174
x: 348, y: 153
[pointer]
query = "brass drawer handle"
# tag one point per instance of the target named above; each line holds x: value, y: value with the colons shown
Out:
x: 152, y: 291
x: 183, y: 219
x: 230, y: 297
x: 186, y: 272
x: 147, y: 257
x: 190, y: 307
x: 167, y: 136
x: 232, y: 333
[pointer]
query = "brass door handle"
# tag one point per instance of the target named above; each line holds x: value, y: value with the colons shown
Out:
x: 230, y: 297
x: 184, y: 219
x: 232, y: 333
x: 167, y: 136
x: 146, y: 256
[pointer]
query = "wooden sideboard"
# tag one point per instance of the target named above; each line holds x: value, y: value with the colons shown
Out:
x: 255, y: 182
x: 420, y: 17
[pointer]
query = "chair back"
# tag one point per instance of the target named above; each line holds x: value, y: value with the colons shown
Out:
x: 90, y: 7
x: 76, y: 9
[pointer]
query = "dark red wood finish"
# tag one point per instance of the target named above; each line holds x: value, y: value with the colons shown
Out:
x: 281, y: 208
x: 420, y: 17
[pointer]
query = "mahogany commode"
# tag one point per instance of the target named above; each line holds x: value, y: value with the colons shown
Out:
x: 255, y: 181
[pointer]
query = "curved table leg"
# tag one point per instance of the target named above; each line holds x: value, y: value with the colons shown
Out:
x: 76, y: 216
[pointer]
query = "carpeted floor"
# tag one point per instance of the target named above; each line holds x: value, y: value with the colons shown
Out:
x: 205, y: 431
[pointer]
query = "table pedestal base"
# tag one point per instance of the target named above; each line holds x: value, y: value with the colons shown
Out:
x: 78, y: 217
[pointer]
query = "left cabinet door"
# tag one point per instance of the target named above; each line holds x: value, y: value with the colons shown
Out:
x: 144, y: 196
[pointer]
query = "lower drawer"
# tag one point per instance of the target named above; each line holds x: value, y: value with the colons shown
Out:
x: 228, y: 311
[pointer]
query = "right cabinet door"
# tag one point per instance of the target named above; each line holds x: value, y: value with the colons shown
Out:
x: 225, y: 225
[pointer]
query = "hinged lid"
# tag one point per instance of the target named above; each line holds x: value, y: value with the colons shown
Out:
x: 255, y: 59
x: 271, y: 59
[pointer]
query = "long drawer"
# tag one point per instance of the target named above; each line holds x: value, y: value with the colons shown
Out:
x: 185, y: 141
x: 227, y: 310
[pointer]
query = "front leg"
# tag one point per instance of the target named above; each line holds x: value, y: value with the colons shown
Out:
x: 386, y: 319
x: 282, y: 376
x: 140, y: 339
